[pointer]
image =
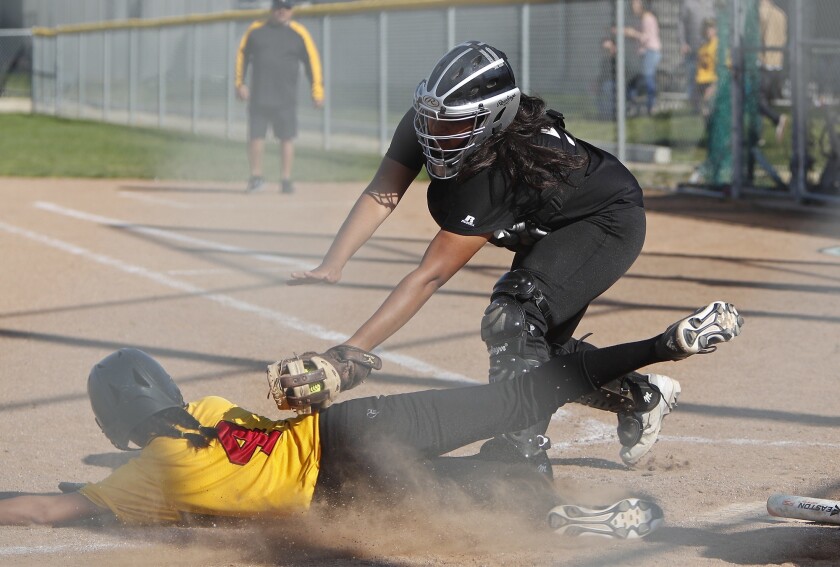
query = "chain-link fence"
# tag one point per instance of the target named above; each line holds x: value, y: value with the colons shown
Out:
x: 15, y: 63
x: 178, y: 73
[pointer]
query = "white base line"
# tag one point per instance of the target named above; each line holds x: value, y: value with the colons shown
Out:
x: 597, y: 432
x: 154, y: 200
x: 49, y: 549
x: 282, y: 319
x: 173, y: 236
x: 139, y: 196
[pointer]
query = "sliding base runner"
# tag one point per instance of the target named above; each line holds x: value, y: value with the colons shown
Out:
x: 804, y: 508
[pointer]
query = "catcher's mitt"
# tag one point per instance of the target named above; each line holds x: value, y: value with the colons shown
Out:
x: 353, y: 364
x: 303, y: 383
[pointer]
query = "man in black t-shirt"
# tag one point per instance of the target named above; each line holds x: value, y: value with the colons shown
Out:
x: 275, y: 48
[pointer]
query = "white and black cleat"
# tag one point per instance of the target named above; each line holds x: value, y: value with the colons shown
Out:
x: 718, y: 322
x: 628, y: 519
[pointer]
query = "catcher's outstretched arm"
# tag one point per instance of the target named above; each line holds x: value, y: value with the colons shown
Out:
x: 447, y: 253
x: 371, y: 209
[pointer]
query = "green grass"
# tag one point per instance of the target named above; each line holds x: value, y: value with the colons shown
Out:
x: 44, y: 146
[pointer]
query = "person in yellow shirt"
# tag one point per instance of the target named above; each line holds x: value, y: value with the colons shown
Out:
x: 214, y: 458
x: 772, y: 22
x: 706, y: 78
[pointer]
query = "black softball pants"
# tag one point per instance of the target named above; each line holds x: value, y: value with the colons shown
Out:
x: 575, y: 264
x: 375, y: 437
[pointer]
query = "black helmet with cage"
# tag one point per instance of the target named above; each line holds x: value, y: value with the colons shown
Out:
x: 470, y: 95
x: 126, y: 388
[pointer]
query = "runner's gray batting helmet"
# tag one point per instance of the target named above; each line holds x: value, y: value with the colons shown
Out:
x: 126, y: 388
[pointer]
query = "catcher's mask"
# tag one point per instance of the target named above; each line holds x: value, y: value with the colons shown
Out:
x: 470, y: 95
x: 126, y: 388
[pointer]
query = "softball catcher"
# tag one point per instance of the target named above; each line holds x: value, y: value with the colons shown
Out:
x: 505, y: 170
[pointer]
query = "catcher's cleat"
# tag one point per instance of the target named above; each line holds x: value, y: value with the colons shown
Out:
x: 255, y: 184
x: 716, y: 323
x: 638, y: 431
x: 542, y: 464
x: 506, y: 450
x: 287, y: 187
x: 628, y: 519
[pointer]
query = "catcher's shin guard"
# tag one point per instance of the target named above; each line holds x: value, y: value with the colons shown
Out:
x: 513, y: 330
x: 629, y: 397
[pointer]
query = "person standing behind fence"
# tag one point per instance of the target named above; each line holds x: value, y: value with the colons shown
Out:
x: 693, y: 13
x: 706, y: 76
x: 773, y: 28
x: 275, y: 48
x: 650, y: 47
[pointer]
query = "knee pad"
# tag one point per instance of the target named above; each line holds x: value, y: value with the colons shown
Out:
x: 512, y: 333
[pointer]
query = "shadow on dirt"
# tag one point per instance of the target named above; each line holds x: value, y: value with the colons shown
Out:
x: 816, y: 220
x: 780, y: 542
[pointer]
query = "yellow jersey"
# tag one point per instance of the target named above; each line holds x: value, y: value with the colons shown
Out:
x: 257, y: 467
x: 706, y: 62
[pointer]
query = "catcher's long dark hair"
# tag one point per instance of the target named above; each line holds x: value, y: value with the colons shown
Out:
x: 170, y: 423
x: 516, y: 152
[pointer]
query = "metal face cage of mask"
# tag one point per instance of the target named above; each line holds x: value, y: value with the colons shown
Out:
x: 473, y: 84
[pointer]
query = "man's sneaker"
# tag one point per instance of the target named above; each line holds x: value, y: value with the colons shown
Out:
x: 286, y: 186
x: 651, y: 422
x: 716, y: 323
x: 255, y: 184
x: 628, y: 519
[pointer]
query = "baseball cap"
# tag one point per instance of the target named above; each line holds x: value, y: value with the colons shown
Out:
x: 278, y: 4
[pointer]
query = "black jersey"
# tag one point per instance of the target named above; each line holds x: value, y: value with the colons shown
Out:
x: 275, y: 52
x: 488, y: 202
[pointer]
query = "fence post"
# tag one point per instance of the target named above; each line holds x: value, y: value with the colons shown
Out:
x: 58, y: 75
x: 737, y: 98
x: 106, y: 75
x: 34, y: 70
x: 132, y: 72
x: 327, y: 126
x: 450, y: 27
x: 196, y: 73
x: 800, y: 110
x: 383, y: 82
x: 81, y: 71
x: 525, y: 32
x: 231, y: 62
x: 161, y: 94
x: 620, y: 82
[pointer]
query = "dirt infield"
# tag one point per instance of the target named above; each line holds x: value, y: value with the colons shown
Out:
x: 195, y: 274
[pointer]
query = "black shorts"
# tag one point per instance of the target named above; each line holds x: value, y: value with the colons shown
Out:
x: 283, y: 122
